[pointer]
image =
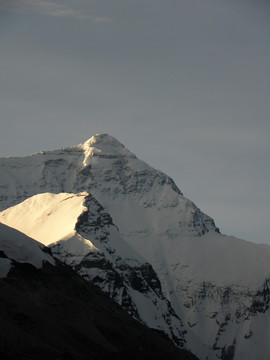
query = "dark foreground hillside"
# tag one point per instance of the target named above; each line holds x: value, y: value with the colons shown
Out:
x: 52, y: 313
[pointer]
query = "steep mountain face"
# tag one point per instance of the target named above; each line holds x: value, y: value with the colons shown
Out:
x: 81, y: 234
x: 47, y: 311
x: 217, y: 285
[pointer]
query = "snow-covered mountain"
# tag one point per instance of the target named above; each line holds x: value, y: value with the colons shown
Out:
x: 48, y: 311
x: 81, y: 234
x: 218, y: 286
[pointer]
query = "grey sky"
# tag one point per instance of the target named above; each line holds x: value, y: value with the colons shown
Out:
x: 184, y: 84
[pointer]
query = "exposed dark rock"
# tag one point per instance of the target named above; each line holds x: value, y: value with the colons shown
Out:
x: 2, y: 254
x: 52, y: 313
x: 227, y: 352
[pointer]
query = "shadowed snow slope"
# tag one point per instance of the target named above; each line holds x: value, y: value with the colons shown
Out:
x: 217, y: 285
x: 15, y: 245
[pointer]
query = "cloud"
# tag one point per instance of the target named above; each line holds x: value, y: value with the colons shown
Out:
x: 50, y: 8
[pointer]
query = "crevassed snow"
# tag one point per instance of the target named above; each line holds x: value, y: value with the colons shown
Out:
x: 21, y: 248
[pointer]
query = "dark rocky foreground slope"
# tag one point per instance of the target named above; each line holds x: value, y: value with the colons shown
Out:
x: 52, y: 313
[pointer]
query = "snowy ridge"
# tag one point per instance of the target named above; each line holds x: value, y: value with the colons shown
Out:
x: 217, y: 285
x: 15, y: 245
x: 27, y: 218
x: 90, y: 242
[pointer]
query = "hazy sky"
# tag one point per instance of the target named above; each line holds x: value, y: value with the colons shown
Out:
x: 184, y: 84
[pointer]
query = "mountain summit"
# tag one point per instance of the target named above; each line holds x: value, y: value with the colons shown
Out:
x: 216, y: 287
x: 104, y: 146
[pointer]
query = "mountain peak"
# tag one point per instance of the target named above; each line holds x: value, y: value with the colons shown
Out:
x: 104, y: 146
